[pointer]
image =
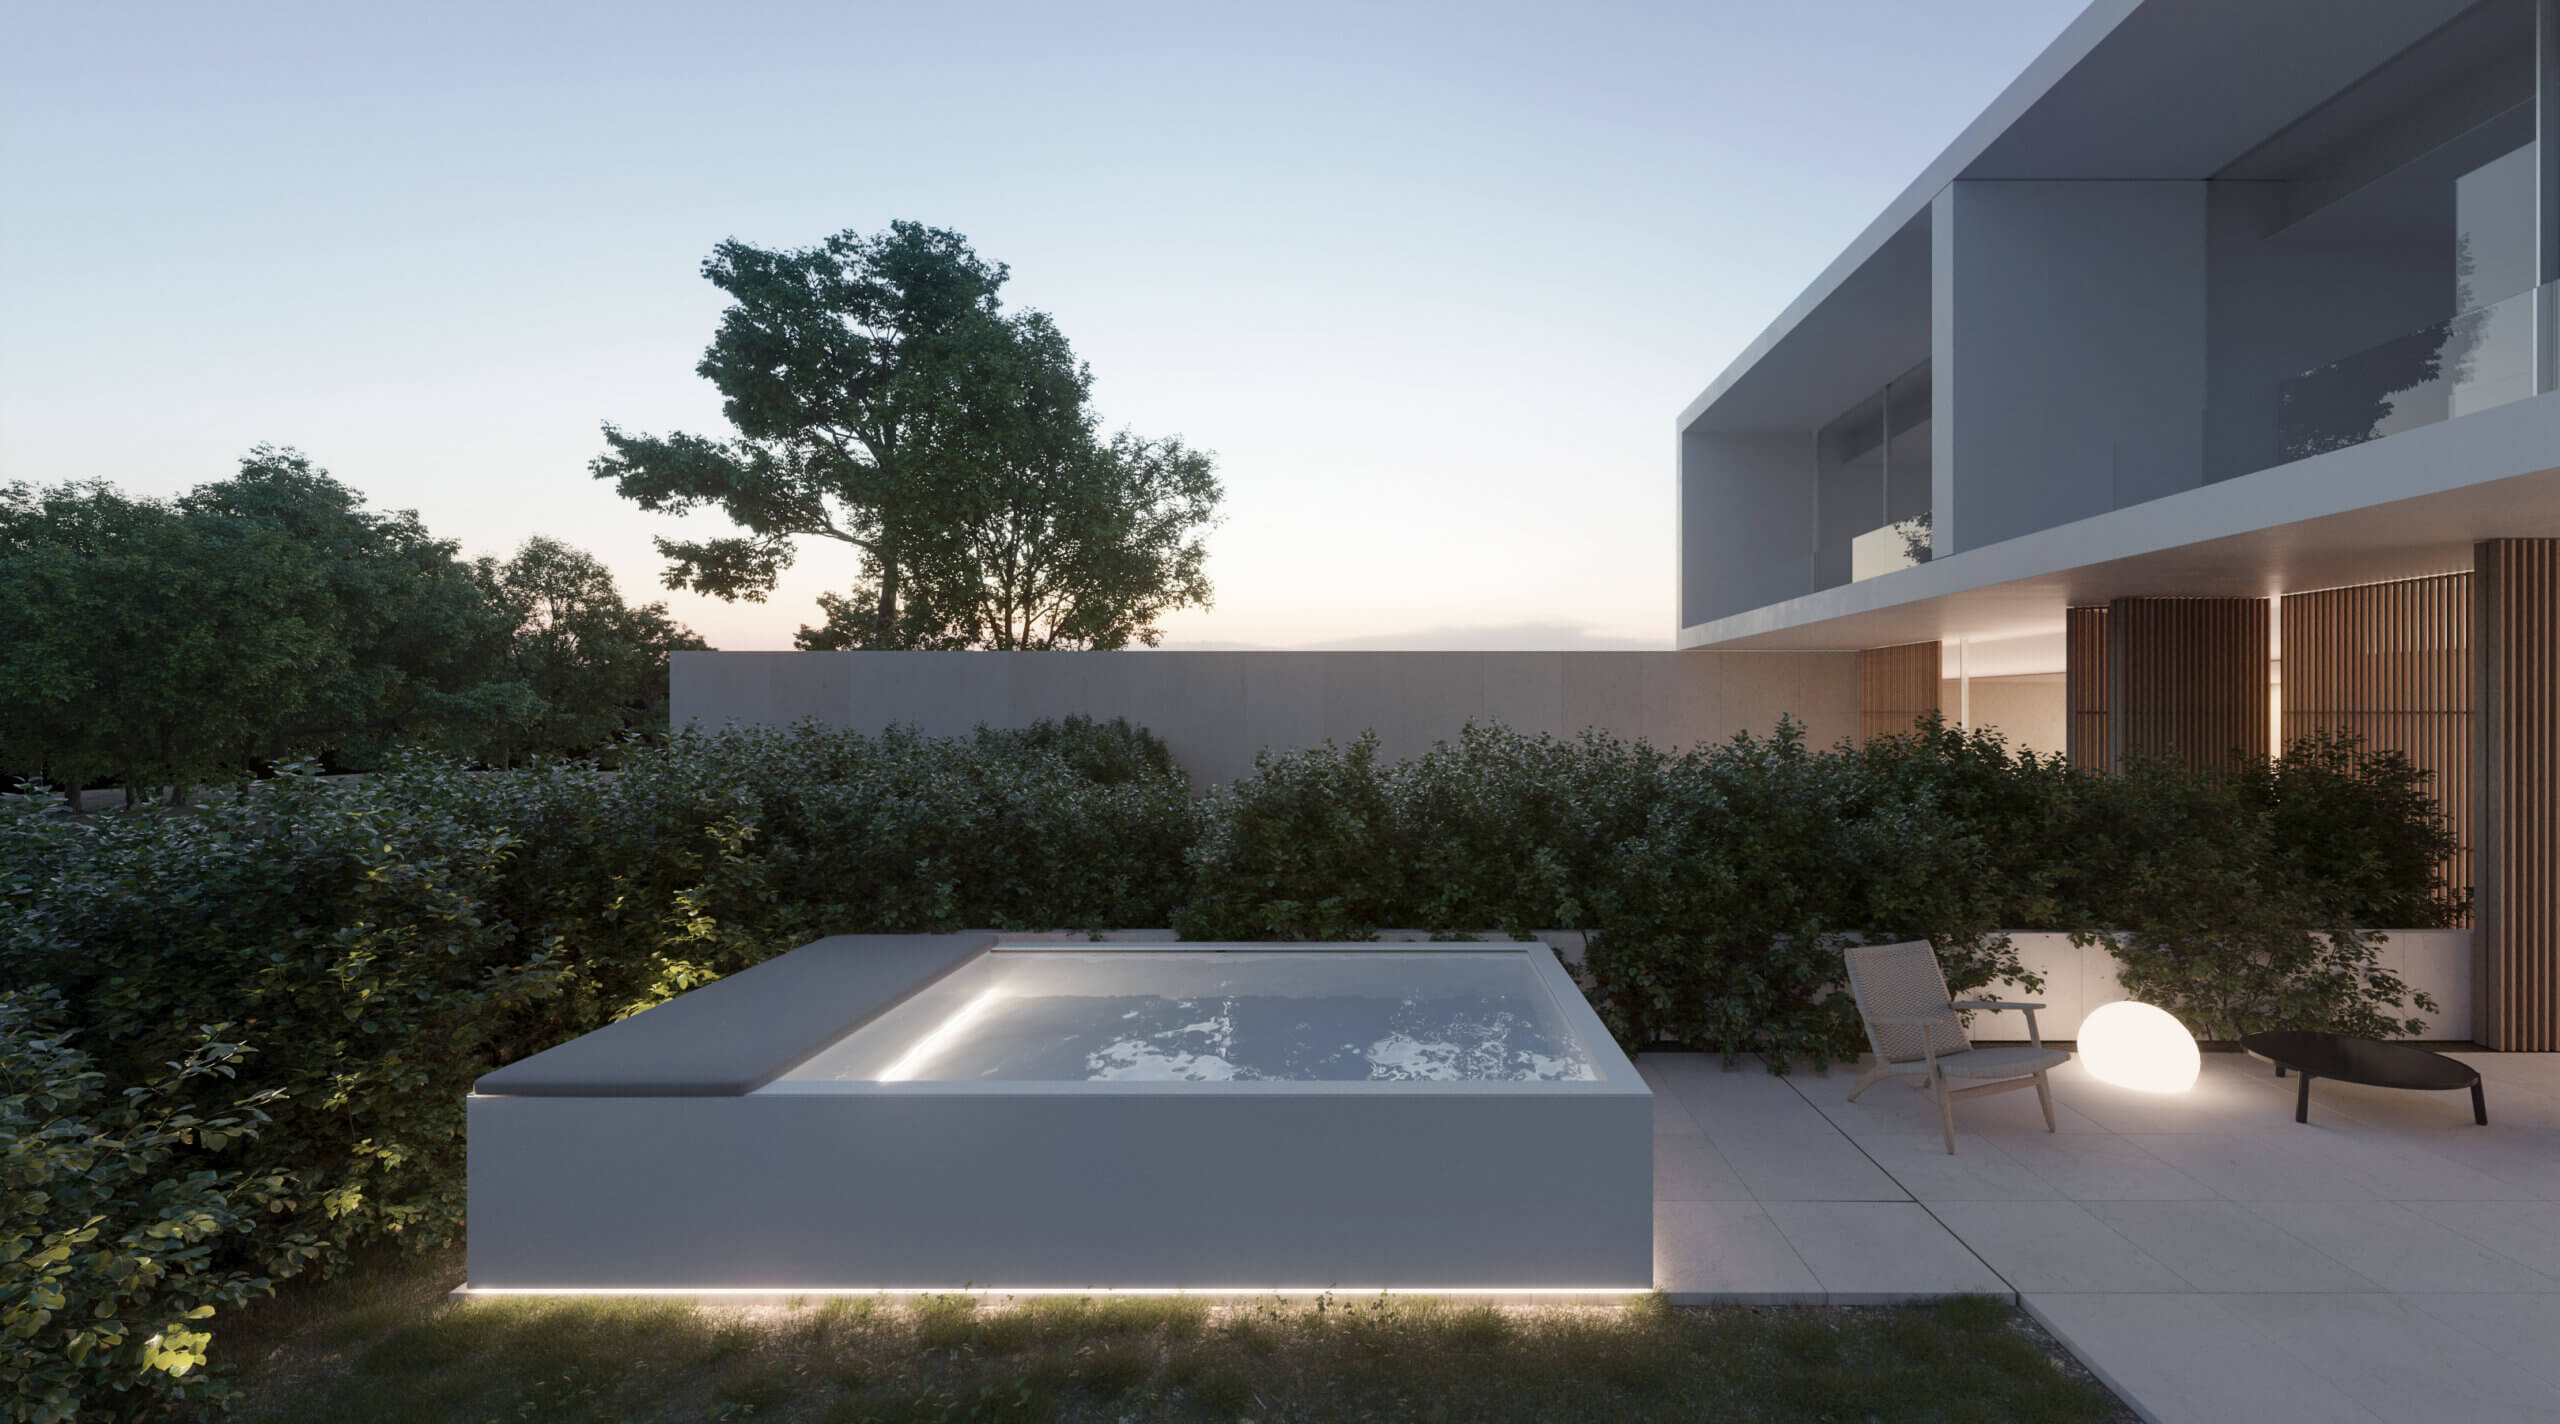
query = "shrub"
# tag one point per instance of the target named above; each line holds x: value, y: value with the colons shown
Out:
x: 1305, y: 848
x: 109, y: 1271
x: 1761, y: 858
x: 2361, y: 824
x: 386, y: 940
x: 1112, y: 753
x: 1514, y: 832
x: 2230, y: 924
x: 351, y: 927
x: 1497, y: 830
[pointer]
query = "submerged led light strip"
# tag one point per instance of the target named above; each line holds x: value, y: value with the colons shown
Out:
x: 922, y: 1051
x: 467, y: 1288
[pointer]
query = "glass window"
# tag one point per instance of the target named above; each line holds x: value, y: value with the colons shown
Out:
x: 1874, y: 468
x: 1849, y: 470
x: 2374, y: 262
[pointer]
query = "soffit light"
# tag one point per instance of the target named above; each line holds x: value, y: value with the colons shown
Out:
x: 2140, y: 1047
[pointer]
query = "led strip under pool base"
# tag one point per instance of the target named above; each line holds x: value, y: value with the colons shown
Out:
x: 468, y: 1291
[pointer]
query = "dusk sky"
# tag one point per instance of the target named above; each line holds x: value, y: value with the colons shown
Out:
x: 1432, y: 280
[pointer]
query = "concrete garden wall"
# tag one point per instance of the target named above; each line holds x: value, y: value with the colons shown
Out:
x: 2078, y: 979
x: 1217, y: 709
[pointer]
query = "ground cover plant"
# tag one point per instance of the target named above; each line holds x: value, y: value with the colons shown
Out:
x: 353, y: 953
x: 386, y: 1347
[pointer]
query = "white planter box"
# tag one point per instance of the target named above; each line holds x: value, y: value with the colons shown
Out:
x: 2080, y: 978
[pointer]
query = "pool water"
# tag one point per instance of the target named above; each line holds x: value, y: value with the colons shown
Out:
x: 1235, y: 1016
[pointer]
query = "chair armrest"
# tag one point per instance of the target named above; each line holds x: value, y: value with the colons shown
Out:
x: 1913, y: 1019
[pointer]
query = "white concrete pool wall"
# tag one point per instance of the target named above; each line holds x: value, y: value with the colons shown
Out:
x: 643, y: 1157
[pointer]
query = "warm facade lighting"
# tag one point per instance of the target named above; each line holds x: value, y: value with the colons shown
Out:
x: 2140, y: 1047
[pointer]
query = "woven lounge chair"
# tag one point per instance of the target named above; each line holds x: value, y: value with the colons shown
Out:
x: 1913, y: 1028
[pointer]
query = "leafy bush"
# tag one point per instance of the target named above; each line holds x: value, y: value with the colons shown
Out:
x: 1112, y: 753
x: 2361, y: 824
x: 389, y: 939
x: 109, y: 1268
x: 1498, y: 830
x: 1721, y: 882
x: 1305, y: 848
x: 1761, y: 858
x: 2239, y: 917
x: 386, y: 940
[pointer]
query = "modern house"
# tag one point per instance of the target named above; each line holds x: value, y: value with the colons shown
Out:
x: 2200, y: 396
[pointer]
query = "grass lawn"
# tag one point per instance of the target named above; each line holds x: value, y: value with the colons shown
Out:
x: 385, y: 1345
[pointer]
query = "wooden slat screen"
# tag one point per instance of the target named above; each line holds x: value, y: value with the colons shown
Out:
x: 2391, y: 664
x: 2187, y: 678
x: 1896, y: 687
x: 2085, y: 687
x: 2516, y: 916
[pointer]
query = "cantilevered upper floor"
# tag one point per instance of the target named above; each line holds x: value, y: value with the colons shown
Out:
x: 2220, y: 296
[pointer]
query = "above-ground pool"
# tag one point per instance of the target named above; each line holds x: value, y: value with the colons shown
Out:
x: 932, y: 1112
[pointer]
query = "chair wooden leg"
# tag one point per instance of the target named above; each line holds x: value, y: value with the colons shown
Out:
x: 2044, y: 1095
x: 1874, y: 1076
x: 1946, y: 1112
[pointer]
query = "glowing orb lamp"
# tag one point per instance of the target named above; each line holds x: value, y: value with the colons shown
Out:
x: 2140, y: 1047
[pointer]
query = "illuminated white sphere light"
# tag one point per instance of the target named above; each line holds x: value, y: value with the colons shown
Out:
x: 2140, y: 1047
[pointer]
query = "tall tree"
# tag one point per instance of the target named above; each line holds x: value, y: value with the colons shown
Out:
x: 883, y: 398
x: 146, y: 647
x: 418, y: 651
x: 596, y: 666
x: 272, y: 614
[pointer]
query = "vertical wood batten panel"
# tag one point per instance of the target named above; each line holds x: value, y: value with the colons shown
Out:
x: 2390, y: 663
x: 2085, y: 687
x: 1897, y: 686
x: 2517, y: 850
x: 2187, y: 679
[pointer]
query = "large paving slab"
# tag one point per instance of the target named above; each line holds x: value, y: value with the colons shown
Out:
x: 2208, y: 1256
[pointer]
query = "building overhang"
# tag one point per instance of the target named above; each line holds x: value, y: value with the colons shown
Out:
x: 2163, y: 90
x: 2402, y: 507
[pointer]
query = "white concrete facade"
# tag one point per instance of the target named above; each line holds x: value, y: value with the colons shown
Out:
x: 1218, y: 710
x: 2219, y: 298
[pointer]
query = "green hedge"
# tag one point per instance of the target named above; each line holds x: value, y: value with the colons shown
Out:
x: 360, y: 950
x: 1719, y: 882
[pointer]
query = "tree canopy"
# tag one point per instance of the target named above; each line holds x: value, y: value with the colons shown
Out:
x: 882, y: 397
x: 272, y: 615
x: 595, y: 666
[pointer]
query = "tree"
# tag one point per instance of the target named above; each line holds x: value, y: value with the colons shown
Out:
x: 418, y: 652
x: 1084, y: 553
x: 272, y: 615
x: 882, y: 397
x: 147, y: 646
x: 596, y: 666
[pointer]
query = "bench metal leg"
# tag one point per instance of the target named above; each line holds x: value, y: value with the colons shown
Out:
x: 2302, y: 1101
x: 2479, y: 1106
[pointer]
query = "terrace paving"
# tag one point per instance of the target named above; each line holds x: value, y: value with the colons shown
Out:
x: 2206, y: 1255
